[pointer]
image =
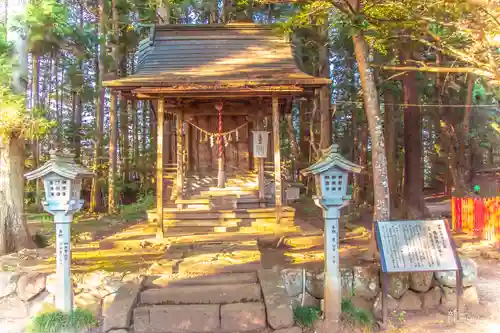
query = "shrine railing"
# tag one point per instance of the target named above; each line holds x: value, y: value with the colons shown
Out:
x: 478, y: 216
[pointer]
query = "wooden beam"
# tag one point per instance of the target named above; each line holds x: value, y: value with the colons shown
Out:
x: 277, y: 153
x: 159, y: 165
x: 180, y: 153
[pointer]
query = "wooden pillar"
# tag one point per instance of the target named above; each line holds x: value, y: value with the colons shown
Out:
x: 277, y: 154
x: 180, y: 153
x: 195, y: 141
x: 167, y: 140
x: 187, y: 146
x: 113, y: 140
x: 159, y: 166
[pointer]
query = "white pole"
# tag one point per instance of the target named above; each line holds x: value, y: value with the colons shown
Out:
x: 333, y: 292
x: 64, y: 295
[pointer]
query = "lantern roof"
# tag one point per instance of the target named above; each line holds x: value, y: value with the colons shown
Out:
x: 331, y: 158
x: 61, y: 164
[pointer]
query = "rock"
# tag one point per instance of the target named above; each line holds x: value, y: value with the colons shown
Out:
x: 449, y: 297
x: 121, y: 308
x: 184, y: 318
x: 14, y: 314
x: 315, y: 284
x: 13, y: 307
x: 366, y: 281
x: 94, y: 280
x: 43, y: 302
x: 432, y: 298
x: 294, y: 329
x: 142, y: 320
x: 410, y: 301
x: 392, y: 304
x: 8, y: 282
x: 398, y: 284
x: 347, y: 282
x: 309, y: 300
x: 278, y: 308
x: 242, y: 317
x: 162, y: 267
x: 106, y: 303
x: 89, y: 302
x: 111, y: 286
x: 30, y: 285
x: 470, y: 295
x: 449, y: 279
x: 421, y: 281
x: 292, y: 278
x: 51, y: 283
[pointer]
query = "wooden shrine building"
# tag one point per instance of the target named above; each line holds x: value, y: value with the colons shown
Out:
x: 212, y: 85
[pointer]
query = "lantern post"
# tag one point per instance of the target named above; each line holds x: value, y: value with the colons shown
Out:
x: 62, y: 179
x: 331, y: 173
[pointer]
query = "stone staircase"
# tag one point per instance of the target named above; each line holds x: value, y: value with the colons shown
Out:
x: 236, y: 302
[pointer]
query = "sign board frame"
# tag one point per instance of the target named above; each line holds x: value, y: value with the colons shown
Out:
x: 387, y: 269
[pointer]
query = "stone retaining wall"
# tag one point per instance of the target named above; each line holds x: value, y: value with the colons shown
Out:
x: 24, y: 295
x: 407, y: 291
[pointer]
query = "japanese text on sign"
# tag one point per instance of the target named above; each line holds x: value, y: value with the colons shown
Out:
x: 260, y: 144
x: 407, y: 246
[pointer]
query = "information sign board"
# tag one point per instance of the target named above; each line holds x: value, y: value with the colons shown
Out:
x: 415, y: 246
x: 260, y: 140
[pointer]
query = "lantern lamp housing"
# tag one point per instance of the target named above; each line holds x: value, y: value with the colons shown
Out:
x: 62, y: 179
x: 331, y: 174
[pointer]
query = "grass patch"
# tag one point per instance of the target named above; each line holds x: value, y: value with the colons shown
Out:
x: 59, y: 322
x: 356, y: 316
x: 305, y: 316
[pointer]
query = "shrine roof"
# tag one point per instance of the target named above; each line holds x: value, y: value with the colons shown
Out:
x: 215, y: 57
x: 331, y: 158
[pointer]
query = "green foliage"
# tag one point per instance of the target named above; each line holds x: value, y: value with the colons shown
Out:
x: 356, y: 315
x: 305, y: 316
x: 137, y: 209
x: 59, y: 322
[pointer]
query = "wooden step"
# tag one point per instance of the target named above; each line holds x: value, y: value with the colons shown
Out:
x: 202, y: 223
x: 196, y: 230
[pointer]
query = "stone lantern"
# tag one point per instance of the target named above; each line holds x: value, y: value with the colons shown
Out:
x: 62, y: 179
x: 331, y: 174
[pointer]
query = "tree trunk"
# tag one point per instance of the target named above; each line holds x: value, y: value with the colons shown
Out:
x: 14, y: 234
x: 292, y: 137
x: 95, y: 195
x: 35, y: 103
x: 391, y: 146
x: 413, y: 195
x: 324, y: 94
x: 372, y: 110
x: 113, y: 125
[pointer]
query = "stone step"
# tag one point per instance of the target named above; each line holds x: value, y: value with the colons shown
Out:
x: 177, y: 319
x: 208, y: 294
x: 217, y: 279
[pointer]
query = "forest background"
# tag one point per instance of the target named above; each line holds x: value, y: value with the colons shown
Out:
x: 414, y: 99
